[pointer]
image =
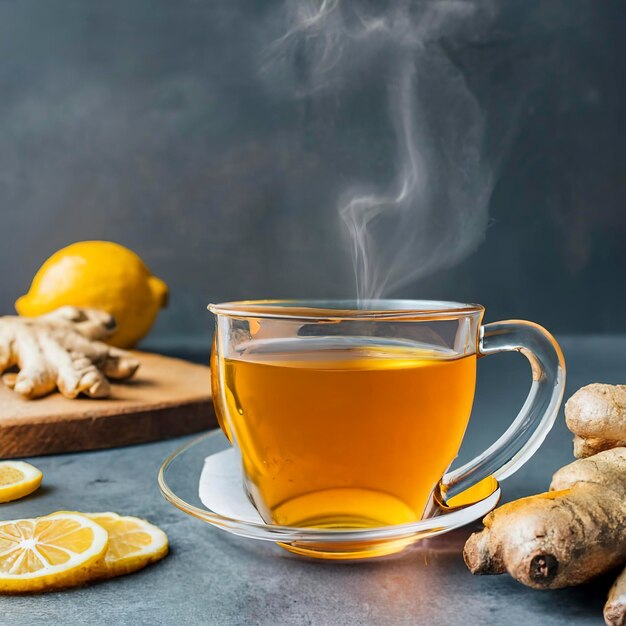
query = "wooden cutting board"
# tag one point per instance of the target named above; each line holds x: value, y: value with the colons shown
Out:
x: 166, y: 398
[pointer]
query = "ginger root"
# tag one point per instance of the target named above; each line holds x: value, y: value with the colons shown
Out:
x: 615, y: 607
x: 561, y: 538
x: 62, y: 350
x: 596, y: 414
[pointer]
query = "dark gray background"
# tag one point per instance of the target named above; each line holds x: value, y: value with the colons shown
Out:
x: 148, y: 123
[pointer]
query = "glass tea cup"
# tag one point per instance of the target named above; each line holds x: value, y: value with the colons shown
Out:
x: 348, y: 416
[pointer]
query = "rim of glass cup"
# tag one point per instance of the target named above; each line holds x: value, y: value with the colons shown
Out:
x: 445, y: 522
x: 337, y: 310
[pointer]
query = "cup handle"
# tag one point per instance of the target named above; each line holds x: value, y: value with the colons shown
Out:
x: 537, y: 415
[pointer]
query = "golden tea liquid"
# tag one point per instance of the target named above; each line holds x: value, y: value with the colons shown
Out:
x: 341, y: 433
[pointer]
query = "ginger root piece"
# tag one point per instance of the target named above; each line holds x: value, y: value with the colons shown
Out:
x: 596, y: 414
x: 62, y: 350
x: 561, y: 538
x: 615, y: 607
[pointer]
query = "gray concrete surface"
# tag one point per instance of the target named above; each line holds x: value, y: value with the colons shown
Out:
x: 213, y: 578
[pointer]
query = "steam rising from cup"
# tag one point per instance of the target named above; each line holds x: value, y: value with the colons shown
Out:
x: 434, y: 210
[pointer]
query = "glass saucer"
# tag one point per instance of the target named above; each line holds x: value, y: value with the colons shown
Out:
x: 203, y: 479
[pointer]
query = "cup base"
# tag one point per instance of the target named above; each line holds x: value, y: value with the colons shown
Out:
x: 344, y: 508
x: 348, y: 551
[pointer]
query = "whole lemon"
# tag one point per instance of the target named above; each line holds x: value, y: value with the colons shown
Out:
x: 102, y: 275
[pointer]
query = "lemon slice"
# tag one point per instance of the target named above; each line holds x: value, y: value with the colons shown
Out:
x: 60, y: 550
x: 18, y: 479
x: 133, y: 543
